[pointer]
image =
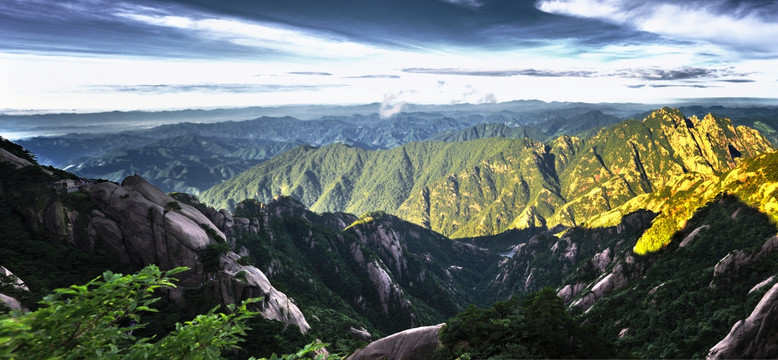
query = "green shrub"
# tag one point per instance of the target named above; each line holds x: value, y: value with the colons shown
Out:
x: 210, y: 256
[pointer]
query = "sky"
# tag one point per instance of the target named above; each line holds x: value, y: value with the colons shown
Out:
x: 95, y: 55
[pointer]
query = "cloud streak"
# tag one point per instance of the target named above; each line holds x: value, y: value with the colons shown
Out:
x: 252, y: 34
x: 312, y: 73
x: 375, y: 76
x: 654, y: 74
x: 500, y: 73
x: 743, y: 25
x: 203, y: 88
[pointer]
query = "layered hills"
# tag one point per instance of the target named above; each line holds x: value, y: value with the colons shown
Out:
x: 191, y: 157
x: 488, y: 186
x: 707, y: 288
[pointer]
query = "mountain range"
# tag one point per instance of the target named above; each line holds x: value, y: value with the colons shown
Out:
x: 657, y: 234
x: 487, y: 186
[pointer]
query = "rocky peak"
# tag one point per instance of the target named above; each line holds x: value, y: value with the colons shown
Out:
x: 282, y: 206
x: 668, y: 116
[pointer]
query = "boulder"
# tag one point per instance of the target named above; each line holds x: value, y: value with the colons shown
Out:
x: 754, y: 337
x: 360, y: 334
x: 413, y: 344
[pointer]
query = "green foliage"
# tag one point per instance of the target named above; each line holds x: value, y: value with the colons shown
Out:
x: 17, y: 150
x: 210, y: 256
x: 173, y: 205
x: 678, y: 309
x: 97, y: 321
x: 539, y: 327
x: 487, y: 186
x: 341, y: 178
x: 368, y: 218
x: 490, y: 130
x: 213, y: 234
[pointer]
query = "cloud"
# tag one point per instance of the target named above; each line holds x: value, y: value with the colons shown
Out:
x: 698, y: 86
x: 654, y: 74
x: 737, y: 80
x: 668, y: 74
x: 201, y: 88
x: 466, y: 3
x: 262, y: 35
x: 391, y: 105
x: 742, y: 25
x: 659, y: 86
x: 488, y: 99
x: 374, y: 77
x: 309, y: 73
x: 500, y: 73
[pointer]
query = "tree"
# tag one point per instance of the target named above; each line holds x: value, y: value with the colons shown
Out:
x: 97, y: 320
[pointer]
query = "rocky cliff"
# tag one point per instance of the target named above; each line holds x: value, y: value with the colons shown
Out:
x: 137, y: 224
x: 142, y: 225
x: 412, y: 344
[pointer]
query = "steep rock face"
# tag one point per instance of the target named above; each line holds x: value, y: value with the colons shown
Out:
x: 139, y: 224
x: 414, y: 258
x: 680, y: 301
x: 412, y: 344
x: 754, y: 337
x: 579, y: 261
x: 378, y: 271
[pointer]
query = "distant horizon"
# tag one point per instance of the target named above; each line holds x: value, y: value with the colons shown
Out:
x: 28, y: 124
x: 723, y: 101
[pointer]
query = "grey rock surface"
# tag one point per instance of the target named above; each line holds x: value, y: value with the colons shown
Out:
x: 412, y: 344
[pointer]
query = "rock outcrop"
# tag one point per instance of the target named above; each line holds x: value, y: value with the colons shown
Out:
x: 739, y: 259
x: 139, y: 224
x: 9, y: 301
x: 754, y: 337
x: 413, y: 344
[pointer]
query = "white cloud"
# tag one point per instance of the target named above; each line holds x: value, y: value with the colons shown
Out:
x: 468, y: 3
x: 599, y: 9
x: 391, y: 106
x: 740, y: 28
x: 265, y: 36
x: 488, y: 99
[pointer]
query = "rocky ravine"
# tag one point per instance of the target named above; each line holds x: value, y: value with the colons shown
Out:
x: 139, y: 224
